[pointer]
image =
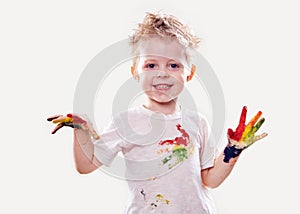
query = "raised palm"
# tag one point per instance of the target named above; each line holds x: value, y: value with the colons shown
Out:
x: 244, y: 135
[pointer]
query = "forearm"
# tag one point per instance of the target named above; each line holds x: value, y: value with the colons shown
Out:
x: 214, y: 176
x: 85, y: 160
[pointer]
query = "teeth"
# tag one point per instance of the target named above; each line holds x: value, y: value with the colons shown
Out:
x: 162, y: 86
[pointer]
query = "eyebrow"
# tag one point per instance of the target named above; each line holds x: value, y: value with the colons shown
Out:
x: 147, y: 60
x: 155, y: 60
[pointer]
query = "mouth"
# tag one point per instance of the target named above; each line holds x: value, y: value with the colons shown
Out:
x: 162, y: 86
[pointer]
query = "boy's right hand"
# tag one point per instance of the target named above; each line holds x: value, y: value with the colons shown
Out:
x: 72, y: 121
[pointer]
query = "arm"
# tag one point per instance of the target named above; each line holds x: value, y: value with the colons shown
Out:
x: 85, y: 160
x: 212, y: 177
x: 238, y: 140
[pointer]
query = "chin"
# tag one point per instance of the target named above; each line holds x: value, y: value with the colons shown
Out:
x: 163, y: 100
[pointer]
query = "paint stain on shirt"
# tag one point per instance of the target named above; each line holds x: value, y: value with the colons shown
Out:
x: 179, y: 147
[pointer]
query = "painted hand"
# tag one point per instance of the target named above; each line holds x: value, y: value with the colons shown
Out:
x: 72, y: 121
x: 244, y: 135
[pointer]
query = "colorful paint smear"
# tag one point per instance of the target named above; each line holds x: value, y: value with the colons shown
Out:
x: 178, y: 146
x: 154, y: 202
x: 246, y: 133
x: 160, y: 199
x: 71, y: 121
x: 243, y: 136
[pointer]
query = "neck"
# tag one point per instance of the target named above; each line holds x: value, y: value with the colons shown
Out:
x: 170, y: 107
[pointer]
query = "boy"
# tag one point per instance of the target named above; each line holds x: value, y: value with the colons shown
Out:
x: 170, y: 163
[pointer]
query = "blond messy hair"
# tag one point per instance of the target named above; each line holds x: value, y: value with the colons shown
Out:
x: 164, y: 26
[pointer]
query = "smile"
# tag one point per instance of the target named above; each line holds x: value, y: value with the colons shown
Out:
x: 162, y: 86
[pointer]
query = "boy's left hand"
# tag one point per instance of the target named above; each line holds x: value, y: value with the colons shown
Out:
x: 244, y: 135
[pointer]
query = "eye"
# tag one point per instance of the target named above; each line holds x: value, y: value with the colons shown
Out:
x: 151, y: 65
x: 173, y: 65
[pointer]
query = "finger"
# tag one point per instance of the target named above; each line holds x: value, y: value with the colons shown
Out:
x: 253, y: 130
x: 59, y: 126
x: 256, y: 138
x: 53, y: 117
x: 230, y: 133
x: 63, y: 120
x: 243, y: 116
x: 259, y: 137
x: 254, y: 119
x: 258, y: 125
x: 250, y: 125
x: 241, y: 127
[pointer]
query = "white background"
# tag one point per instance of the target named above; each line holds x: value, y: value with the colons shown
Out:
x: 253, y: 46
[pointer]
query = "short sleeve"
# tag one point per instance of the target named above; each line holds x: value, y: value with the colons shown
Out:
x: 208, y: 147
x: 108, y: 146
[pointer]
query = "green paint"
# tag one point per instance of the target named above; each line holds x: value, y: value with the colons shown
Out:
x: 179, y: 154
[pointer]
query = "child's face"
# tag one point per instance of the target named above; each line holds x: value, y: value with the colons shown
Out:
x: 162, y: 69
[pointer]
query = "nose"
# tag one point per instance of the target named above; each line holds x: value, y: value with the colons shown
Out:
x: 162, y: 74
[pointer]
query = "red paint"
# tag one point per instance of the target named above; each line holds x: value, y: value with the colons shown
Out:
x: 241, y: 127
x: 183, y: 132
x: 183, y: 140
x: 76, y: 119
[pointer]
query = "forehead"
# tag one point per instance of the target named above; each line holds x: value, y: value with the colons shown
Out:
x: 162, y: 47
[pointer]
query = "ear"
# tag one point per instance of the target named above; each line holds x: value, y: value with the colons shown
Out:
x: 190, y: 77
x: 133, y: 73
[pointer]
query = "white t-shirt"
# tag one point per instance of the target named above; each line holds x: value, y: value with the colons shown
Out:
x: 163, y: 156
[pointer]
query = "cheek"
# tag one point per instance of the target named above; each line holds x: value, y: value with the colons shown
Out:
x: 179, y: 79
x: 145, y: 85
x: 146, y: 80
